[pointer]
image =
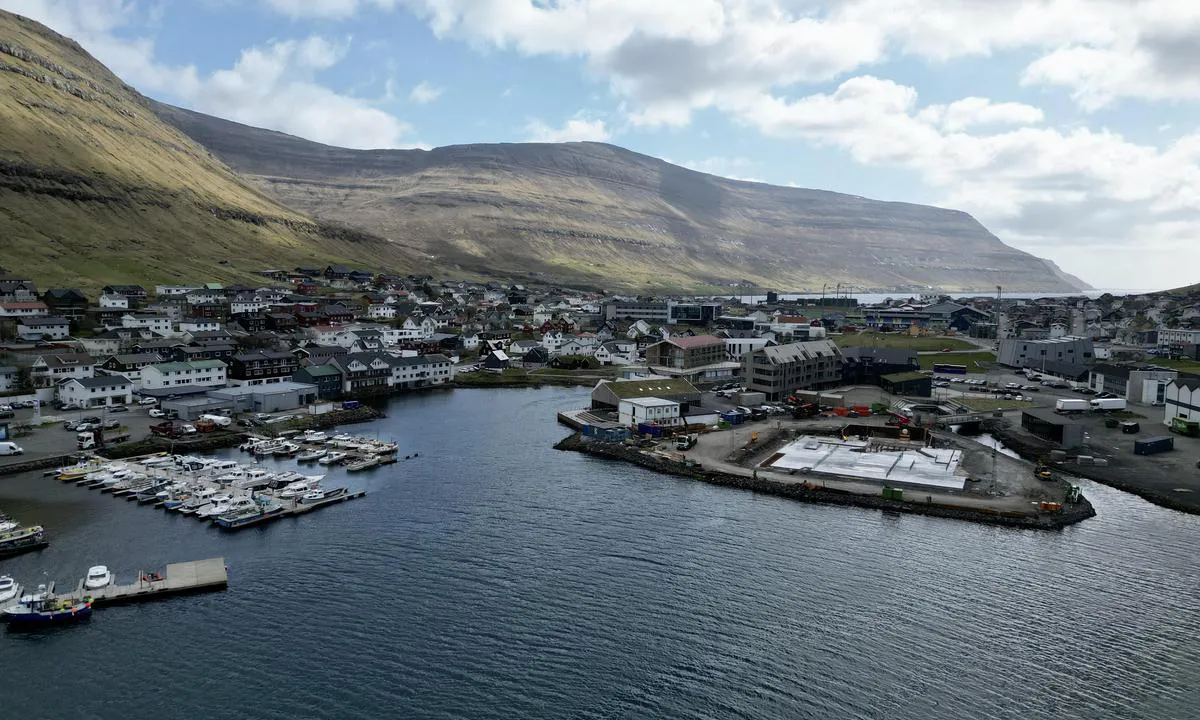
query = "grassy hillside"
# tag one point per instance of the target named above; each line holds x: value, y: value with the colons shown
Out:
x: 94, y: 188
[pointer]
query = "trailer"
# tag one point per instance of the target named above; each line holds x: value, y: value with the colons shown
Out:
x: 1106, y: 404
x: 1071, y: 405
x: 1154, y: 445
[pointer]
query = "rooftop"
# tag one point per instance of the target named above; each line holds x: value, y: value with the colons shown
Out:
x: 651, y: 402
x: 626, y: 389
x: 690, y: 342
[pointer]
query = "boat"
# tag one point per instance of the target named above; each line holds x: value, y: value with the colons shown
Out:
x: 43, y: 608
x: 319, y: 495
x: 366, y: 463
x: 312, y: 455
x: 254, y: 479
x: 7, y: 523
x: 150, y: 494
x: 23, y: 539
x: 314, y: 436
x: 285, y: 449
x: 200, y: 499
x: 266, y: 448
x: 98, y: 577
x: 332, y: 458
x: 260, y: 513
x: 9, y: 589
x: 298, y: 488
x: 383, y: 448
x: 217, y: 506
x: 74, y: 473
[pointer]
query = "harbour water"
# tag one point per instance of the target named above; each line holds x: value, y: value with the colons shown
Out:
x: 493, y: 577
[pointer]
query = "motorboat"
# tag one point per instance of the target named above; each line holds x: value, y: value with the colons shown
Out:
x: 150, y: 493
x: 366, y: 463
x: 237, y: 506
x: 158, y: 461
x: 199, y: 499
x: 131, y: 487
x: 261, y: 512
x: 382, y: 448
x: 313, y: 436
x: 332, y: 458
x: 218, y: 505
x: 254, y: 479
x: 7, y: 523
x: 266, y: 448
x: 22, y: 539
x: 74, y: 473
x: 298, y: 488
x: 98, y: 577
x: 312, y: 455
x: 319, y: 495
x: 9, y: 589
x: 285, y: 449
x: 43, y: 608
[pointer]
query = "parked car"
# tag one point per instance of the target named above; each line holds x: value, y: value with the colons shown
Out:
x: 70, y: 425
x: 112, y: 424
x: 148, y: 401
x: 156, y: 413
x: 70, y: 406
x: 118, y: 408
x: 189, y: 429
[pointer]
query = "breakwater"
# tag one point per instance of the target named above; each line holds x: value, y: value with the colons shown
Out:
x: 809, y: 493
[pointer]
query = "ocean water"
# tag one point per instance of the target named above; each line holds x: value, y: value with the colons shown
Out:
x: 494, y: 577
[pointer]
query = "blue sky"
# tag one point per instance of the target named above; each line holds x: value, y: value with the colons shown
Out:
x: 1068, y: 127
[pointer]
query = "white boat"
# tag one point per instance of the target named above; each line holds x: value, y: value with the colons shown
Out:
x: 286, y: 449
x: 312, y: 455
x: 217, y: 505
x: 98, y: 577
x: 314, y: 436
x: 298, y: 488
x: 365, y: 463
x: 157, y: 461
x: 332, y: 458
x: 255, y: 478
x: 9, y: 589
x: 237, y: 506
x: 319, y: 495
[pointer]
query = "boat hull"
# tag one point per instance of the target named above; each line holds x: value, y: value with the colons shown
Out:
x: 19, y: 617
x: 244, y: 521
x: 23, y: 541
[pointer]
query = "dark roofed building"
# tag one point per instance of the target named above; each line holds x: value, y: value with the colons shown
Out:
x: 865, y: 365
x: 608, y: 394
x: 66, y: 302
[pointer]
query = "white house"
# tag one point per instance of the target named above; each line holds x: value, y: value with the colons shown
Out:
x: 617, y: 352
x: 31, y: 308
x: 113, y: 302
x: 177, y: 374
x: 650, y: 410
x: 1182, y: 400
x: 197, y: 325
x: 242, y: 306
x: 203, y: 297
x: 470, y: 341
x: 44, y: 328
x: 420, y: 371
x: 50, y: 370
x: 381, y: 311
x: 8, y: 378
x: 552, y: 341
x: 577, y: 346
x: 159, y: 324
x: 96, y: 391
x: 168, y: 290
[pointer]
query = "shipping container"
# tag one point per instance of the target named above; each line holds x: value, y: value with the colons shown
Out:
x: 1070, y: 405
x: 733, y: 418
x: 1150, y: 446
x: 651, y: 430
x: 751, y: 399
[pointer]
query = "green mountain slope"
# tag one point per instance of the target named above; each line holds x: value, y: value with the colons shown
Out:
x: 603, y: 215
x: 95, y: 189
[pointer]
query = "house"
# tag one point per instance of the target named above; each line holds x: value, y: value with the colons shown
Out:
x: 113, y: 302
x: 649, y: 411
x: 252, y: 304
x: 701, y: 357
x: 261, y: 367
x: 381, y: 311
x: 135, y: 293
x: 865, y: 365
x: 208, y: 373
x: 174, y: 290
x: 577, y: 346
x: 537, y: 356
x: 66, y: 302
x: 97, y: 391
x: 781, y: 370
x: 327, y: 378
x: 158, y: 324
x: 336, y: 272
x: 253, y: 322
x: 50, y: 370
x: 363, y: 373
x: 23, y: 309
x: 43, y: 328
x: 17, y: 290
x: 420, y: 371
x: 338, y: 313
x: 104, y: 344
x: 9, y: 377
x: 129, y: 365
x: 196, y: 352
x: 617, y: 352
x: 495, y: 360
x: 281, y: 322
x: 194, y: 325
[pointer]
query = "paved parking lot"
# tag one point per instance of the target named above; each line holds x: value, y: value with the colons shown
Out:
x: 51, y: 439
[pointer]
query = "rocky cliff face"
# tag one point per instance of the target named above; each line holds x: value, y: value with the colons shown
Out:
x: 602, y: 215
x: 95, y: 189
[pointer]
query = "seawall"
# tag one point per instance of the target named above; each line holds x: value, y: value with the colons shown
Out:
x: 809, y: 493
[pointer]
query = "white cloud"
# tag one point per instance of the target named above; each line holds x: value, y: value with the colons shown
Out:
x: 734, y: 168
x: 576, y: 129
x: 326, y: 9
x: 424, y: 93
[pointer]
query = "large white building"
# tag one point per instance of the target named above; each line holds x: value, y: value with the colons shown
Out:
x: 1182, y: 400
x: 44, y: 328
x: 178, y: 374
x: 50, y: 370
x: 1168, y: 337
x: 651, y: 410
x: 160, y: 324
x: 96, y: 391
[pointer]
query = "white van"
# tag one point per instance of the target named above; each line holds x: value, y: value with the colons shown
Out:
x: 10, y: 448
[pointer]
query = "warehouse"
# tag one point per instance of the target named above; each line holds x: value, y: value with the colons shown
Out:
x: 274, y: 397
x: 1053, y: 427
x: 911, y: 384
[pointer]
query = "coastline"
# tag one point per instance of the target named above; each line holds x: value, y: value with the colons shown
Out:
x: 804, y: 492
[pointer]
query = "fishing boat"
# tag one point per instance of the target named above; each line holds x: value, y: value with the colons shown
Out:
x: 98, y: 577
x: 217, y: 506
x: 312, y: 455
x: 318, y: 495
x: 332, y: 458
x: 383, y: 448
x: 9, y: 589
x: 285, y: 449
x: 200, y: 499
x: 43, y: 608
x: 262, y: 512
x: 7, y: 523
x: 366, y: 463
x: 266, y: 448
x: 74, y: 473
x: 314, y: 436
x: 22, y: 540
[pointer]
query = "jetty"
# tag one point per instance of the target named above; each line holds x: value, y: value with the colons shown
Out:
x: 183, y: 578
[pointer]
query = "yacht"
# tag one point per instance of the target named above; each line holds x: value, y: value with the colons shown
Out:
x: 7, y: 523
x: 98, y: 577
x: 333, y: 458
x: 254, y: 479
x: 266, y: 448
x: 216, y: 506
x: 9, y: 589
x: 200, y: 499
x: 150, y: 492
x: 236, y: 506
x: 298, y: 488
x: 314, y: 436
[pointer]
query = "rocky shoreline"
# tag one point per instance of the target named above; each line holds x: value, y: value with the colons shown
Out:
x: 1070, y: 514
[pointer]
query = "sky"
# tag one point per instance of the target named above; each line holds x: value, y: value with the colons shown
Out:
x: 1069, y: 128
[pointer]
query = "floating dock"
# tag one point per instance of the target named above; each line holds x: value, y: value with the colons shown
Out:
x: 183, y: 578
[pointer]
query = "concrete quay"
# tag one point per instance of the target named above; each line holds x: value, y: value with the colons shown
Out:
x: 183, y: 578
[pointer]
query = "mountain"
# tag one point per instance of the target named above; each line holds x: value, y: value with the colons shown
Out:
x: 95, y: 189
x: 604, y: 216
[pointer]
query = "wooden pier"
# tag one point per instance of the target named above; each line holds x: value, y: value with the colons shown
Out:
x: 182, y: 578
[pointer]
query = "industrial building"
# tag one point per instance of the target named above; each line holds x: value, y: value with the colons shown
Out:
x: 912, y: 384
x: 651, y: 410
x: 1181, y: 399
x: 1069, y: 356
x: 781, y: 370
x: 669, y: 312
x: 273, y: 397
x: 865, y: 365
x: 1048, y: 425
x: 1145, y: 384
x: 608, y: 394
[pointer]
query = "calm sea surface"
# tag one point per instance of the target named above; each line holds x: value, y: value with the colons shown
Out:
x: 493, y: 577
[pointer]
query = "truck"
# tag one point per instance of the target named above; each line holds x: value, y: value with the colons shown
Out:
x: 94, y: 439
x: 166, y: 429
x: 1106, y: 404
x: 218, y: 420
x: 1071, y: 405
x: 685, y: 442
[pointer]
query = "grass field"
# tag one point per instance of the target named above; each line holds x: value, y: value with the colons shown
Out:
x: 971, y: 360
x: 988, y: 404
x: 1184, y: 366
x: 900, y: 340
